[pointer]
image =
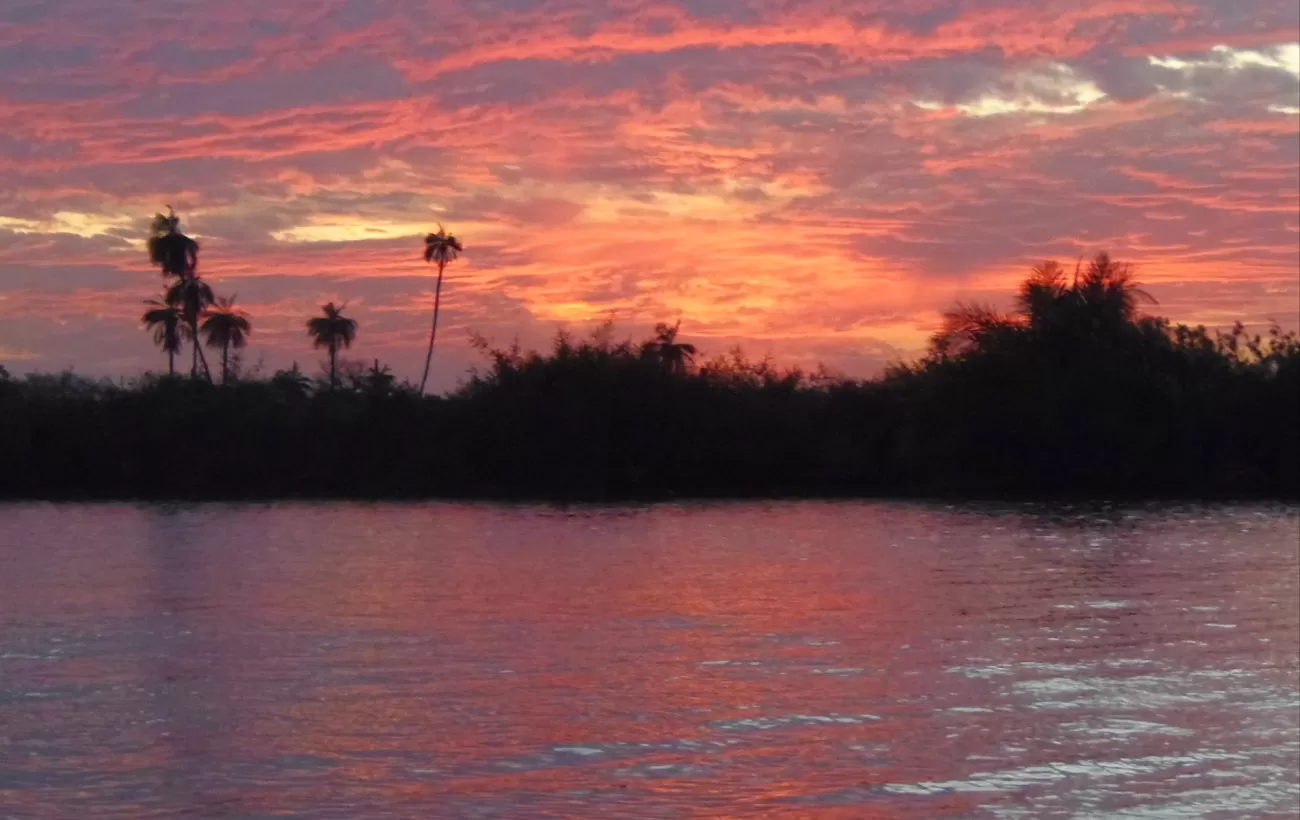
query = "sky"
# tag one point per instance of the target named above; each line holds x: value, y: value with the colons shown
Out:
x: 815, y: 180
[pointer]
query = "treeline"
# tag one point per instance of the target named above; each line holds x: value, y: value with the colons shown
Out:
x: 1076, y: 393
x: 190, y: 311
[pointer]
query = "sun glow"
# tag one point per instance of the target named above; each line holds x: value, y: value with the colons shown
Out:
x: 350, y: 229
x: 1280, y: 58
x: 70, y: 222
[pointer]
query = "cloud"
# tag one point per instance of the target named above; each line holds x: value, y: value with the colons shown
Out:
x: 1053, y: 88
x: 816, y: 180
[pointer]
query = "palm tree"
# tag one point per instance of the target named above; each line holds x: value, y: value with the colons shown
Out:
x: 330, y: 331
x: 1103, y: 298
x: 676, y: 357
x: 379, y: 381
x: 165, y: 320
x: 178, y: 255
x: 1109, y: 293
x: 192, y: 295
x: 1044, y: 296
x: 970, y: 326
x: 440, y: 248
x: 172, y: 251
x: 226, y: 326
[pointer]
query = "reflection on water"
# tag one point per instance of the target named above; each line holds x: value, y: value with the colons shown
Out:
x: 794, y: 659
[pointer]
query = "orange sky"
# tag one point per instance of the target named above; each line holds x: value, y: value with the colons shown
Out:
x: 814, y: 180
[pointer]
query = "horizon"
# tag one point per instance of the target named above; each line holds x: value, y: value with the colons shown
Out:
x: 817, y: 184
x: 609, y: 335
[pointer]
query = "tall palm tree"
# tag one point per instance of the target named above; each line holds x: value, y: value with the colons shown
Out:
x: 330, y: 331
x: 165, y: 320
x: 226, y: 326
x: 441, y: 249
x: 178, y: 255
x: 676, y: 357
x: 192, y: 295
x: 172, y: 251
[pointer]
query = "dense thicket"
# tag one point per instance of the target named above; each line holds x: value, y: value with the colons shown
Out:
x: 1074, y: 394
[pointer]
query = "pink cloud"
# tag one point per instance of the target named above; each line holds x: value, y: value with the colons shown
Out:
x: 813, y: 182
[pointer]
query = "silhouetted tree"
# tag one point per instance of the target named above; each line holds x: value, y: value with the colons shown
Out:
x: 192, y: 295
x: 676, y: 357
x: 379, y: 381
x: 178, y: 255
x: 333, y: 330
x: 225, y: 326
x: 172, y: 251
x: 441, y: 249
x: 1044, y: 298
x: 970, y: 326
x: 1109, y: 293
x: 292, y: 382
x: 1051, y: 315
x: 165, y: 321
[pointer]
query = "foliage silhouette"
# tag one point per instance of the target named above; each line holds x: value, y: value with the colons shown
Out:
x: 177, y: 255
x: 332, y: 331
x: 172, y: 251
x: 165, y: 320
x: 676, y: 357
x: 291, y: 383
x: 441, y: 249
x: 1074, y: 393
x: 225, y: 326
x: 192, y: 296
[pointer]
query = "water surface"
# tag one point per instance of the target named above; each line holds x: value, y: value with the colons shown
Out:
x: 856, y: 660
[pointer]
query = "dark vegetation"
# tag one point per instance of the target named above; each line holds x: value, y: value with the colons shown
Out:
x: 1075, y: 394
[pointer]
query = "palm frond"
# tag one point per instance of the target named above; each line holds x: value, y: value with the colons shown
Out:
x: 441, y: 247
x: 224, y: 324
x: 333, y: 328
x: 172, y: 251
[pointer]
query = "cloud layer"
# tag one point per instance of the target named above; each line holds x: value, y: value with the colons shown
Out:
x: 812, y: 179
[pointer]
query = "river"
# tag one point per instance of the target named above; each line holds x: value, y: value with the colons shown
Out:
x: 786, y: 659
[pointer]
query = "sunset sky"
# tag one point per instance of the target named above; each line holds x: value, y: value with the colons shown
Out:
x: 814, y: 179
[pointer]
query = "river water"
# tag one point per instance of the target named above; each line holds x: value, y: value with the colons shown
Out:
x: 856, y: 660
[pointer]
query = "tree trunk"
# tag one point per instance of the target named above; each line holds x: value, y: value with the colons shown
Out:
x: 198, y: 354
x: 171, y: 362
x: 334, y: 357
x: 207, y: 371
x: 225, y: 359
x: 433, y: 334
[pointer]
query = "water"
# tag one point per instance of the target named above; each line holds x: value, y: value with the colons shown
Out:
x: 792, y: 659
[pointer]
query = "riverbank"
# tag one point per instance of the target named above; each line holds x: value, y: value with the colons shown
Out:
x: 559, y: 430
